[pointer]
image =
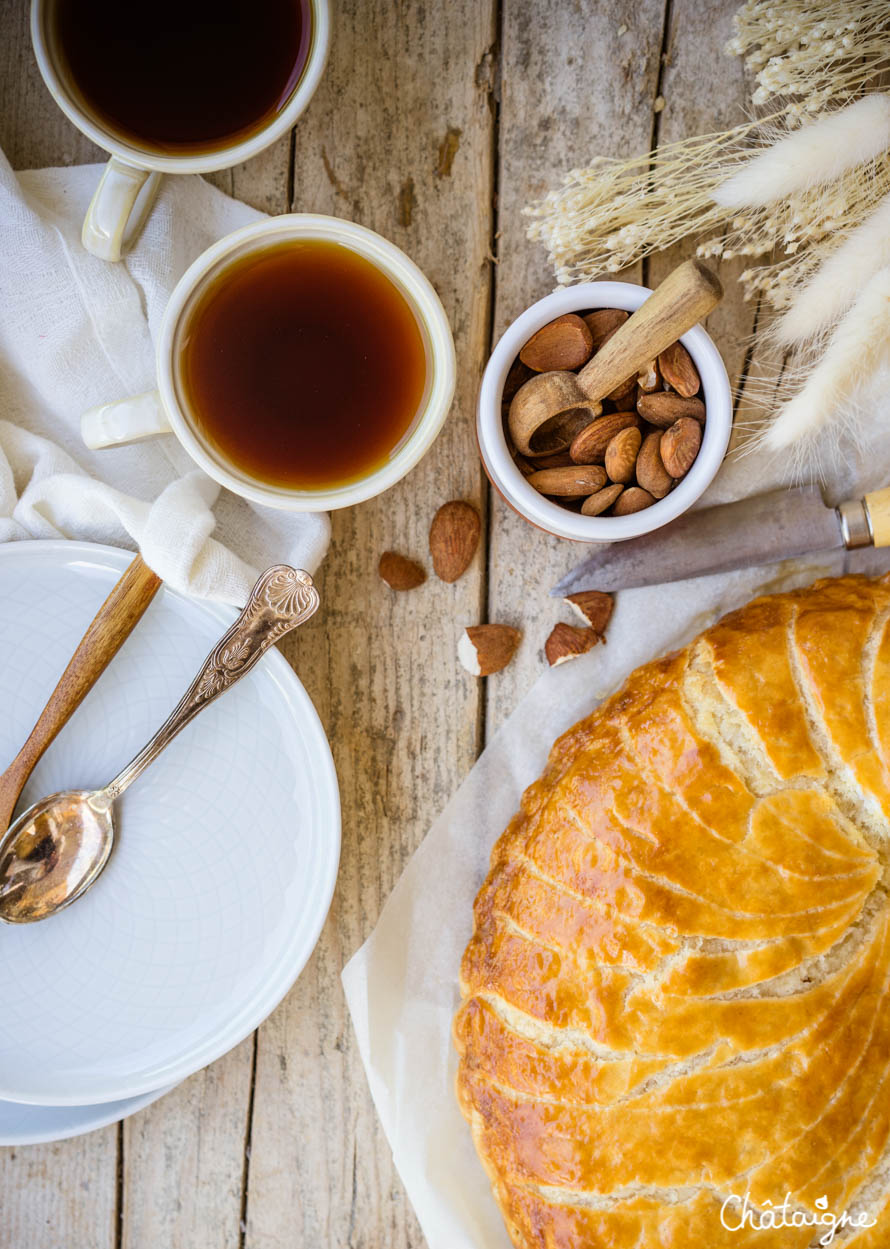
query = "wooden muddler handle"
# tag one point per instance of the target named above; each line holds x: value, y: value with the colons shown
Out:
x: 877, y: 504
x: 113, y: 624
x: 684, y: 297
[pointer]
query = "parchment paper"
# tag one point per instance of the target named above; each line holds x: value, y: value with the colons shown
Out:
x: 401, y: 986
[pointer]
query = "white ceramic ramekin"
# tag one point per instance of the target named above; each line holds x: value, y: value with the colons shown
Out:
x: 540, y: 511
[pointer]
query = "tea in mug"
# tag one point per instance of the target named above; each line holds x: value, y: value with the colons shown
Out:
x: 302, y: 365
x: 179, y: 77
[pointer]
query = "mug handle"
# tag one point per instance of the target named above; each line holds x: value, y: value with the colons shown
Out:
x: 111, y: 212
x: 127, y: 420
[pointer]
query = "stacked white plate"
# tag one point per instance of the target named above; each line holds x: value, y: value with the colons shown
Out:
x: 222, y: 872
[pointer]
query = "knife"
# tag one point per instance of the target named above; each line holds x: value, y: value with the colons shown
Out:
x: 762, y: 529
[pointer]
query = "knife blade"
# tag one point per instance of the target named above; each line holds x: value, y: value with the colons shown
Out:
x: 761, y: 529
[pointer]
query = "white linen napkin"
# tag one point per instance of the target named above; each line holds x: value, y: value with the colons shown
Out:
x: 401, y: 986
x: 76, y: 331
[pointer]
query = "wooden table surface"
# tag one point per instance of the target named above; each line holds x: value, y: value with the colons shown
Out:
x: 434, y: 124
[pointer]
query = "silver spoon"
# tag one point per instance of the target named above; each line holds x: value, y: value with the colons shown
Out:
x: 56, y: 849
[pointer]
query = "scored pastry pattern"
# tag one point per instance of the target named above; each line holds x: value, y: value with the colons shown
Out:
x: 677, y: 987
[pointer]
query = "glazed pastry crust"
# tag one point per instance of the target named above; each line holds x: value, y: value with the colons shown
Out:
x: 677, y: 986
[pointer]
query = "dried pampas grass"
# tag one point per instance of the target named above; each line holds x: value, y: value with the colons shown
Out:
x: 806, y: 188
x: 857, y: 348
x: 817, y: 153
x: 834, y: 285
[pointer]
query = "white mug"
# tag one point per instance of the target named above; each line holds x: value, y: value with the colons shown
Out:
x: 132, y: 176
x: 166, y: 409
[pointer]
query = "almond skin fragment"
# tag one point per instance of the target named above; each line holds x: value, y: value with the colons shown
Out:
x: 568, y: 642
x: 576, y: 482
x: 589, y: 446
x: 664, y: 407
x: 678, y: 371
x: 601, y: 501
x: 565, y: 343
x: 593, y: 606
x: 621, y: 454
x: 487, y: 648
x: 649, y: 378
x: 633, y: 500
x: 603, y: 322
x: 399, y: 572
x: 651, y: 472
x: 680, y: 445
x: 454, y: 536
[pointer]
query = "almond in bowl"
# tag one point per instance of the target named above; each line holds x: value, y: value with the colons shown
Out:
x: 596, y: 464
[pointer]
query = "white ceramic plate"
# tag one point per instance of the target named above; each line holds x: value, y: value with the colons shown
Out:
x: 41, y: 1125
x: 225, y: 860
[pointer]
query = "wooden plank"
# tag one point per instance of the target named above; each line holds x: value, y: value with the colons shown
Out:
x: 704, y: 90
x: 184, y: 1161
x: 577, y: 81
x: 399, y: 137
x: 58, y: 1196
x: 33, y: 130
x: 51, y: 1196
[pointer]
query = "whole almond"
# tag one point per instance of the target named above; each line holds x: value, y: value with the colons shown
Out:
x: 568, y: 642
x: 565, y: 343
x: 627, y: 402
x: 603, y: 322
x: 399, y: 572
x: 625, y: 391
x: 559, y: 459
x: 601, y: 501
x: 680, y: 445
x: 487, y: 648
x: 454, y: 536
x: 518, y: 376
x: 649, y: 378
x: 589, y: 446
x: 651, y: 472
x: 664, y: 407
x: 593, y: 606
x: 678, y: 370
x: 621, y: 454
x: 576, y: 482
x: 632, y: 500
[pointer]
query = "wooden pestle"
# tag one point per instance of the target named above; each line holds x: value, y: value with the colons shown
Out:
x: 685, y: 296
x: 112, y: 625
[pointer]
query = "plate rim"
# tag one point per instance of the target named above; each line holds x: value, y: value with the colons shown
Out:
x: 50, y: 1137
x: 174, y: 1073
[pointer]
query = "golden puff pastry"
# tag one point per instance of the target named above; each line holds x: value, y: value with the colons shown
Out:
x: 675, y: 1027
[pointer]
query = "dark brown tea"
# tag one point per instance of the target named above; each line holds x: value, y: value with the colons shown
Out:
x: 182, y: 76
x: 303, y: 365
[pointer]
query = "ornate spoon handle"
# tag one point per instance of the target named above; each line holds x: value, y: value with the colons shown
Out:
x: 283, y: 598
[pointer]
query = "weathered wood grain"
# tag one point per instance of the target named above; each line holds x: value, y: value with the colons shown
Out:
x: 401, y: 136
x: 57, y: 1196
x: 401, y: 140
x: 587, y: 88
x: 51, y: 1196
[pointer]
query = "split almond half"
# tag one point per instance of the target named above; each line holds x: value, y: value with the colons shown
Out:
x: 568, y: 642
x: 593, y: 606
x: 487, y: 648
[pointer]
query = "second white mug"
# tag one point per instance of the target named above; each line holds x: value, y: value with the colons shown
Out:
x: 131, y: 178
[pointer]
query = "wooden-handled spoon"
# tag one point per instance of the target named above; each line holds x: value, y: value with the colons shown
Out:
x: 113, y: 624
x: 685, y: 296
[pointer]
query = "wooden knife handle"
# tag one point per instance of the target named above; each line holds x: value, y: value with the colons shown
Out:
x: 878, y: 507
x: 684, y: 297
x: 112, y: 625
